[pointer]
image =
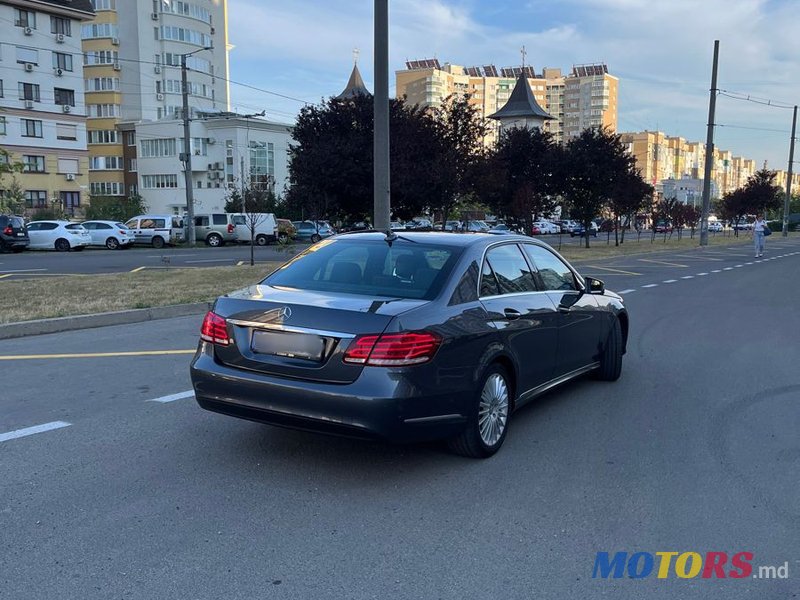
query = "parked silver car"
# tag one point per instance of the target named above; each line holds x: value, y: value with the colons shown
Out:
x: 215, y: 229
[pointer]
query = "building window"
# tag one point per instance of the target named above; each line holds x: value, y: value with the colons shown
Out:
x: 33, y: 164
x: 199, y: 146
x: 62, y: 61
x: 31, y: 128
x: 66, y: 131
x: 103, y: 110
x: 60, y: 25
x: 107, y: 188
x: 102, y: 84
x: 105, y: 163
x: 159, y: 181
x: 101, y: 57
x: 132, y: 167
x: 64, y: 97
x: 68, y: 165
x: 1, y: 88
x: 104, y: 4
x: 35, y: 198
x: 99, y: 30
x: 103, y: 136
x: 3, y: 126
x: 130, y: 138
x: 27, y: 55
x: 24, y: 18
x: 157, y: 148
x: 29, y: 91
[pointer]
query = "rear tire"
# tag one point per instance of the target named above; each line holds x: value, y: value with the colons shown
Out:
x: 158, y: 242
x: 112, y: 243
x: 262, y: 240
x: 283, y: 238
x: 489, y: 415
x: 62, y: 245
x: 611, y: 358
x: 315, y: 238
x: 214, y: 240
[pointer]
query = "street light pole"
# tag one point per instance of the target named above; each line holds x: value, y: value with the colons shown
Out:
x: 381, y: 183
x: 712, y: 105
x: 787, y: 201
x: 186, y: 155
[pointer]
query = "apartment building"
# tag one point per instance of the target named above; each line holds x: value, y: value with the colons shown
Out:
x: 42, y: 111
x: 664, y: 160
x: 226, y: 148
x: 132, y: 52
x: 586, y: 97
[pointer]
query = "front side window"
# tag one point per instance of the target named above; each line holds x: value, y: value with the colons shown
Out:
x: 552, y: 271
x: 511, y: 270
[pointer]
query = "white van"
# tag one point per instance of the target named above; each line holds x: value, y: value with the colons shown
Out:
x: 266, y: 229
x: 157, y: 230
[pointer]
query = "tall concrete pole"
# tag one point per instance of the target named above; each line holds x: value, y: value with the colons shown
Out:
x: 712, y: 106
x: 187, y: 154
x: 381, y: 187
x: 789, y: 179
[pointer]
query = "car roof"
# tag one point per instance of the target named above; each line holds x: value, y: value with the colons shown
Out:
x: 444, y: 238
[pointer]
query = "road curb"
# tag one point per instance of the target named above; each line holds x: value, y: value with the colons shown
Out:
x: 123, y: 317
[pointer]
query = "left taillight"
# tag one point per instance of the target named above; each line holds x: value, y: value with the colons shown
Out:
x: 215, y: 330
x: 8, y: 231
x: 393, y: 350
x: 231, y: 227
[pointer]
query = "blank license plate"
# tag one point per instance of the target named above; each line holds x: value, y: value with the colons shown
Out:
x: 292, y: 345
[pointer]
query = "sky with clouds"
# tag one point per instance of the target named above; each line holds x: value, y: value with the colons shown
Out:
x: 660, y: 49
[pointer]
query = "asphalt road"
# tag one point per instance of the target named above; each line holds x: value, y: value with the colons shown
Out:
x: 695, y: 448
x: 41, y: 263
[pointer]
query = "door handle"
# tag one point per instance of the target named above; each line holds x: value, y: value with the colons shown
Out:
x: 512, y: 314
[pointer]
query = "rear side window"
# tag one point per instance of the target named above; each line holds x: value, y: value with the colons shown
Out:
x: 370, y: 268
x: 220, y: 219
x: 48, y: 226
x: 511, y: 270
x: 553, y: 272
x: 75, y: 226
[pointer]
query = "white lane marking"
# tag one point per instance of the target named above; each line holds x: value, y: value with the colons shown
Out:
x: 702, y: 274
x: 738, y: 266
x: 670, y: 281
x: 21, y: 270
x: 18, y: 433
x: 626, y: 291
x: 748, y: 263
x: 728, y: 269
x: 650, y: 285
x: 210, y: 260
x: 688, y: 277
x: 716, y: 271
x: 173, y: 397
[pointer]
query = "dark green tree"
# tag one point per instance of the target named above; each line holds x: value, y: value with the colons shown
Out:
x: 594, y: 163
x: 631, y: 195
x: 115, y: 208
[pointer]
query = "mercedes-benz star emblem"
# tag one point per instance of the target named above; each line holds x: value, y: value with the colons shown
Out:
x: 285, y: 313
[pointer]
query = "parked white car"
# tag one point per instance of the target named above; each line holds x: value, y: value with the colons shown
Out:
x: 110, y: 234
x: 547, y: 227
x: 55, y: 235
x: 262, y: 226
x: 715, y: 226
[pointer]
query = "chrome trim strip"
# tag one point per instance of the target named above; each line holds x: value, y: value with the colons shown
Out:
x: 433, y: 419
x: 537, y: 391
x: 289, y: 329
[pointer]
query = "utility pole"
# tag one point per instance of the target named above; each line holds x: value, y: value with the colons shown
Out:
x: 381, y: 184
x: 788, y: 199
x: 187, y: 153
x: 712, y: 106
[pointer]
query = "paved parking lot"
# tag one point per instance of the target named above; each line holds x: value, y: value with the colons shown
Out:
x: 129, y: 490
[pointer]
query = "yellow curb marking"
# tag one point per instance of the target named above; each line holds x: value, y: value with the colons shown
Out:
x: 662, y: 262
x: 4, y: 276
x: 96, y: 355
x: 620, y: 271
x: 137, y: 269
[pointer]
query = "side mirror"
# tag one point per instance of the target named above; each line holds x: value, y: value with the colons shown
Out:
x: 595, y: 286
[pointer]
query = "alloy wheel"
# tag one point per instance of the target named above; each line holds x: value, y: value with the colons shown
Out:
x: 493, y: 409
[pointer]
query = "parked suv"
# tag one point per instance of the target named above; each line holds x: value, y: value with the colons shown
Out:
x: 157, y: 230
x: 215, y: 229
x: 13, y: 234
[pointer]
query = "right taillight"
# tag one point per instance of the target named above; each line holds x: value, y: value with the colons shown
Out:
x: 393, y: 349
x: 215, y: 330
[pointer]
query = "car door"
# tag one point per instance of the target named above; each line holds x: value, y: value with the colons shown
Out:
x: 580, y: 320
x: 133, y: 225
x: 525, y: 316
x: 202, y: 227
x: 35, y: 235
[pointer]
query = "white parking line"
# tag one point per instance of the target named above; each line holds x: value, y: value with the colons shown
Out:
x: 650, y: 285
x: 626, y: 292
x: 173, y: 397
x: 18, y: 433
x: 670, y: 281
x: 688, y: 277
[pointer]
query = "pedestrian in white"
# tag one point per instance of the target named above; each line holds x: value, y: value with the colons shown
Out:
x: 758, y: 234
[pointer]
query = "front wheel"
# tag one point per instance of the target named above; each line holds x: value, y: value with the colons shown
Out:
x: 262, y: 240
x: 283, y: 238
x: 488, y: 423
x: 611, y: 357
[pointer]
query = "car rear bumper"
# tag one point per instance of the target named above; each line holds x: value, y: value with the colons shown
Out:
x: 10, y: 242
x: 380, y: 404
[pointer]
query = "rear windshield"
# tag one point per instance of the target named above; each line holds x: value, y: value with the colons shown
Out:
x: 370, y: 268
x: 16, y: 222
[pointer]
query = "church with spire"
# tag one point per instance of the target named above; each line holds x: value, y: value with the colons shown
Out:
x: 522, y: 110
x: 355, y: 85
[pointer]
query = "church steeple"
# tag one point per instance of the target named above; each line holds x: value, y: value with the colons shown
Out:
x: 522, y: 110
x: 355, y: 85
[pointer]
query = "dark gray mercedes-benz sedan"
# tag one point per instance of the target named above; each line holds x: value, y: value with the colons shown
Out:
x: 412, y: 337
